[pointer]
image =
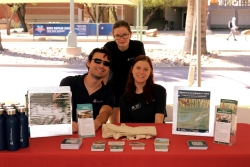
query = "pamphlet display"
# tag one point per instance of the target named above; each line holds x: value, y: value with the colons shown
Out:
x: 50, y: 111
x: 116, y: 148
x: 98, y: 145
x: 193, y: 111
x: 226, y: 122
x: 137, y: 145
x: 197, y: 145
x: 71, y: 143
x: 86, y: 127
x: 161, y: 144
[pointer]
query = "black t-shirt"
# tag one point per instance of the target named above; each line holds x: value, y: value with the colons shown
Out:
x: 103, y: 96
x: 122, y: 60
x: 138, y: 111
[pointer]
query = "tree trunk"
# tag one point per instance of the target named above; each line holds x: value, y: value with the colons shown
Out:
x: 149, y: 16
x: 9, y: 23
x: 1, y: 46
x: 101, y: 15
x: 189, y: 27
x: 114, y: 13
x: 90, y: 14
x: 22, y: 17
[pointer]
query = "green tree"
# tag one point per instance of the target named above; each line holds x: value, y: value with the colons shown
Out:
x: 154, y: 5
x: 91, y: 9
x: 21, y: 11
x: 8, y: 19
x: 18, y: 8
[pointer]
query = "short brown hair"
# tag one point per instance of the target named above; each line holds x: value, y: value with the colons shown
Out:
x: 121, y: 23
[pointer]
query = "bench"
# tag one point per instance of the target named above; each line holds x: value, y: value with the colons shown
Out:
x: 134, y: 29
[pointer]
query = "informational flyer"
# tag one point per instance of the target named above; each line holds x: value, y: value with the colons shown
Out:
x: 86, y: 127
x: 193, y: 112
x: 50, y: 111
x: 223, y: 126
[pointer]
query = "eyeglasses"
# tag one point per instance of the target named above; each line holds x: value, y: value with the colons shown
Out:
x: 124, y: 36
x: 99, y: 61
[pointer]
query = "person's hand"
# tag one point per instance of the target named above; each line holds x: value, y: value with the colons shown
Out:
x: 74, y: 126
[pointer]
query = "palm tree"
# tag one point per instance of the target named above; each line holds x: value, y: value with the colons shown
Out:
x: 189, y: 27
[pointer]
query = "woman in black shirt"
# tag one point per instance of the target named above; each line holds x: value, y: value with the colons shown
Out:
x: 143, y: 101
x: 123, y: 52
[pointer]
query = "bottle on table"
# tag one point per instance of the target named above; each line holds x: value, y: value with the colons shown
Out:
x: 2, y: 130
x: 12, y: 131
x: 23, y: 122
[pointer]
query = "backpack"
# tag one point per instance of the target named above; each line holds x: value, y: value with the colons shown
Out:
x: 230, y: 25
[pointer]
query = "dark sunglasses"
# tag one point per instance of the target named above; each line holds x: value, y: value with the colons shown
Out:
x: 99, y: 61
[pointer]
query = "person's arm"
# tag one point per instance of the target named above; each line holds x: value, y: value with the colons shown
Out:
x: 159, y: 118
x: 161, y: 97
x: 103, y: 116
x: 74, y: 126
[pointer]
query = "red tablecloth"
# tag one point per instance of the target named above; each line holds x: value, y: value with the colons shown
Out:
x: 46, y: 152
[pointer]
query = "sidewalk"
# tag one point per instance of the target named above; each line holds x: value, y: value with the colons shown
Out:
x: 173, y: 39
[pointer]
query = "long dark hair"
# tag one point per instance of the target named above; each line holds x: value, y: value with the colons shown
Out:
x: 148, y: 89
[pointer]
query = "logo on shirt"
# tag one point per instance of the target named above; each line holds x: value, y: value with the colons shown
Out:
x: 96, y: 101
x: 131, y: 58
x: 135, y: 107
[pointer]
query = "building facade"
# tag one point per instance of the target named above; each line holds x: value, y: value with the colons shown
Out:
x: 219, y: 13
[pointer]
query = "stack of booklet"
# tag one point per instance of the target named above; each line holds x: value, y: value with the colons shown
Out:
x: 197, y: 145
x: 137, y: 145
x: 98, y: 145
x: 116, y: 146
x: 71, y: 143
x: 161, y: 144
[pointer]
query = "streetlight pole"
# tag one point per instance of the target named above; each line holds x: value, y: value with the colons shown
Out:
x: 72, y: 48
x: 72, y: 34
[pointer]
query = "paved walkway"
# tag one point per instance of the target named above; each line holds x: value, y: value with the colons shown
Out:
x: 234, y: 85
x: 173, y: 39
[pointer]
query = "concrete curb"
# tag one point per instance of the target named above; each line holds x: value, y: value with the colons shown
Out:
x: 155, y: 67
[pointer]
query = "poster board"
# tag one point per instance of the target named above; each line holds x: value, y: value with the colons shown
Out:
x: 50, y: 111
x: 193, y: 111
